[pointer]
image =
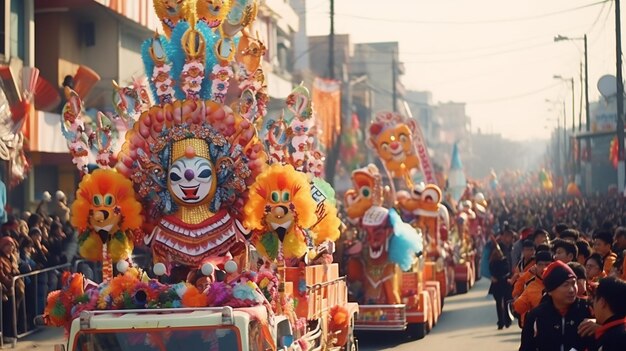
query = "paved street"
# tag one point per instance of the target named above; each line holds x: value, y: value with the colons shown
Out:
x: 42, y: 340
x: 468, y: 323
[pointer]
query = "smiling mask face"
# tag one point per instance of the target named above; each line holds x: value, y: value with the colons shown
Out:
x: 191, y: 178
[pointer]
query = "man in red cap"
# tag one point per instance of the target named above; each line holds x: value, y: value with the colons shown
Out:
x: 553, y: 324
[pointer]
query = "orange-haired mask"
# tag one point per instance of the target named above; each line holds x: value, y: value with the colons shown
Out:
x: 105, y: 215
x: 366, y: 193
x: 280, y: 212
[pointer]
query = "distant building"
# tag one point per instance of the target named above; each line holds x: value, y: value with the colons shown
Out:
x: 277, y: 24
x: 342, y: 55
x: 381, y: 64
x: 300, y: 60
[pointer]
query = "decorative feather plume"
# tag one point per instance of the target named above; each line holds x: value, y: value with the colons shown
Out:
x: 405, y: 243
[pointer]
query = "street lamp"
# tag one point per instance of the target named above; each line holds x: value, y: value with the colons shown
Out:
x: 587, y: 144
x: 587, y: 115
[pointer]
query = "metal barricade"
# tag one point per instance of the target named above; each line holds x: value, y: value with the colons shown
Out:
x: 1, y: 319
x: 141, y: 260
x: 22, y: 303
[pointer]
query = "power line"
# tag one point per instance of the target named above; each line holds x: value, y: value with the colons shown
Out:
x: 497, y: 53
x: 475, y: 102
x: 597, y: 18
x: 512, y: 97
x: 495, y: 21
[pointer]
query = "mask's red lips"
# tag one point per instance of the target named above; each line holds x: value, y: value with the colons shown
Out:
x: 190, y: 192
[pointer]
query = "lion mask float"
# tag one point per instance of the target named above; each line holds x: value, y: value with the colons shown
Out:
x: 367, y: 192
x: 279, y: 209
x: 106, y: 213
x: 391, y: 136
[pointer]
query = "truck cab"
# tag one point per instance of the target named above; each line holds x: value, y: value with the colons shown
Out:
x: 219, y: 328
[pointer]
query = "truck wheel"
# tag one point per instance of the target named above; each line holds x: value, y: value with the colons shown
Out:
x: 462, y: 287
x: 353, y: 344
x: 416, y: 331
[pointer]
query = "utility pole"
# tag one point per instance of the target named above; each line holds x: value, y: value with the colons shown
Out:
x: 331, y: 42
x: 332, y: 155
x: 587, y: 114
x: 573, y: 107
x: 564, y: 144
x: 394, y: 81
x: 558, y: 146
x: 620, y: 99
x: 580, y: 109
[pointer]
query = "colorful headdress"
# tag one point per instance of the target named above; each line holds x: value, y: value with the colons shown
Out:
x: 293, y: 138
x: 190, y: 70
x: 193, y: 155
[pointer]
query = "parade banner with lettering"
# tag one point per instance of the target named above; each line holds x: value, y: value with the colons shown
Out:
x: 422, y: 152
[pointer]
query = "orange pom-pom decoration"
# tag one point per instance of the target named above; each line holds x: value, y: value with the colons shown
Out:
x: 339, y: 322
x: 194, y: 298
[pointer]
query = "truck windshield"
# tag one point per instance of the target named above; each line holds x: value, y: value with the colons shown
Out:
x: 162, y: 339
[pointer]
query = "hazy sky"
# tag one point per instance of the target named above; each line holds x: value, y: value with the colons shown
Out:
x: 498, y: 56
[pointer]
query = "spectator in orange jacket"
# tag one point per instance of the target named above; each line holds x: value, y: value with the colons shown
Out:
x: 526, y: 261
x: 602, y: 242
x: 542, y: 260
x: 533, y: 291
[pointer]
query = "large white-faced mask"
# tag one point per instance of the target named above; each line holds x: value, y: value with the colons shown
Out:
x: 191, y: 176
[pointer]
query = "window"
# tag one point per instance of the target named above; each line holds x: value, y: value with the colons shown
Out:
x: 16, y: 30
x: 2, y: 23
x: 160, y: 339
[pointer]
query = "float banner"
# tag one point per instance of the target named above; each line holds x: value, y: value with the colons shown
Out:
x: 327, y: 107
x: 422, y: 153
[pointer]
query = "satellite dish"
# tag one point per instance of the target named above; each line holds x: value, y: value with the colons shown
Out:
x: 607, y: 85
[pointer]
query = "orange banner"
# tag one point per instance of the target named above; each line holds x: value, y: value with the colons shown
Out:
x: 327, y: 107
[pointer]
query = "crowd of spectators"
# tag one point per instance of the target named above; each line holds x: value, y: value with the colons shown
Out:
x: 555, y: 264
x: 31, y: 242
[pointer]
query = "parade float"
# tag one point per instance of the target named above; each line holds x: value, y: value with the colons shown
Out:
x: 399, y: 143
x: 385, y: 262
x: 403, y: 289
x: 242, y: 250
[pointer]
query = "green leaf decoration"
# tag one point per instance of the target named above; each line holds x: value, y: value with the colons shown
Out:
x: 270, y: 242
x: 59, y: 310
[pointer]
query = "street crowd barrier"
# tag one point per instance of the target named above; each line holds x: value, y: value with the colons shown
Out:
x: 36, y: 302
x: 32, y: 303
